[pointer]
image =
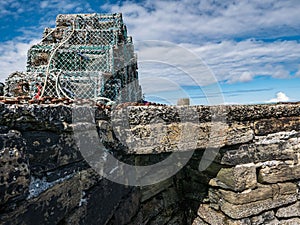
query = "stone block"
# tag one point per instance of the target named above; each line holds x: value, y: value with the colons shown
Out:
x: 289, y: 211
x: 152, y: 190
x: 277, y: 146
x: 254, y: 208
x: 14, y: 168
x: 239, y: 178
x: 272, y: 125
x: 262, y: 192
x: 50, y: 207
x: 49, y: 150
x: 211, y: 216
x: 278, y: 172
x: 199, y: 221
x: 208, y: 215
x: 159, y: 137
x: 127, y: 209
x: 238, y: 133
x: 89, y: 178
x: 264, y: 218
x: 292, y: 221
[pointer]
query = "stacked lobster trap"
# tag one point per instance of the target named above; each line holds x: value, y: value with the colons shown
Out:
x: 86, y: 56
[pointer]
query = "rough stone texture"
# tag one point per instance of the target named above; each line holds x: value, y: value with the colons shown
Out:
x: 264, y: 126
x: 264, y: 218
x: 262, y: 192
x: 277, y: 146
x: 293, y: 221
x: 183, y: 136
x: 14, y: 171
x: 48, y: 208
x: 55, y: 185
x: 279, y: 172
x: 49, y: 150
x: 239, y: 178
x: 214, y: 217
x: 199, y: 221
x: 289, y: 211
x: 254, y: 208
x: 210, y: 215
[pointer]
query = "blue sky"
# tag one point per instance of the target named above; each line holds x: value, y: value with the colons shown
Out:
x: 251, y: 48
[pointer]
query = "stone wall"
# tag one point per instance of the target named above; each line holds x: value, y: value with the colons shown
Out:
x: 253, y: 179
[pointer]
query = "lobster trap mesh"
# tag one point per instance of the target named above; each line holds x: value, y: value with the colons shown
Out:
x: 85, y: 56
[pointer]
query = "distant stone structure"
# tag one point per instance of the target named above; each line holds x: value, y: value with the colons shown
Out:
x: 85, y: 56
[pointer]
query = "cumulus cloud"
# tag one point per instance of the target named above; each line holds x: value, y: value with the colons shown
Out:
x: 229, y: 36
x: 280, y: 97
x: 244, y: 77
x: 230, y: 61
x: 13, y: 57
x: 234, y: 61
x: 194, y: 20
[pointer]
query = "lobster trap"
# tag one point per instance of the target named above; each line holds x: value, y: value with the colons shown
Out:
x: 84, y: 56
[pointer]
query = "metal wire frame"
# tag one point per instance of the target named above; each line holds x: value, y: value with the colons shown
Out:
x: 85, y: 56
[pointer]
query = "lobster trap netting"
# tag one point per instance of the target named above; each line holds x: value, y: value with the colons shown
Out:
x: 85, y: 56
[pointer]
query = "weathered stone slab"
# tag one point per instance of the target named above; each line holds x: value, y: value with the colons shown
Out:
x: 14, y: 169
x: 238, y: 133
x: 292, y: 221
x: 262, y: 192
x: 211, y: 216
x: 256, y: 112
x: 267, y: 126
x: 81, y: 199
x: 277, y: 146
x: 254, y: 208
x: 126, y: 209
x: 152, y: 190
x: 289, y: 211
x: 199, y: 221
x: 49, y: 207
x: 265, y: 218
x: 185, y: 136
x: 279, y: 172
x: 239, y: 178
x: 232, y: 113
x: 48, y: 150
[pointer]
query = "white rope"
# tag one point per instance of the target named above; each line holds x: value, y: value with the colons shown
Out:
x: 56, y: 84
x: 109, y: 101
x: 53, y: 53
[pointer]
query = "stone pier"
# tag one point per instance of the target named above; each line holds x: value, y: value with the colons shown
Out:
x: 252, y: 178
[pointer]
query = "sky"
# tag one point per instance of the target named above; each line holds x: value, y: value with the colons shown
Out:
x: 213, y: 52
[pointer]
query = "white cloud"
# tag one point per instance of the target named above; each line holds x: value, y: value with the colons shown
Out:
x: 240, y: 61
x: 13, y: 57
x: 10, y: 7
x: 214, y: 20
x: 280, y: 97
x: 298, y: 72
x: 65, y: 6
x: 212, y: 29
x: 245, y: 76
x: 229, y: 61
